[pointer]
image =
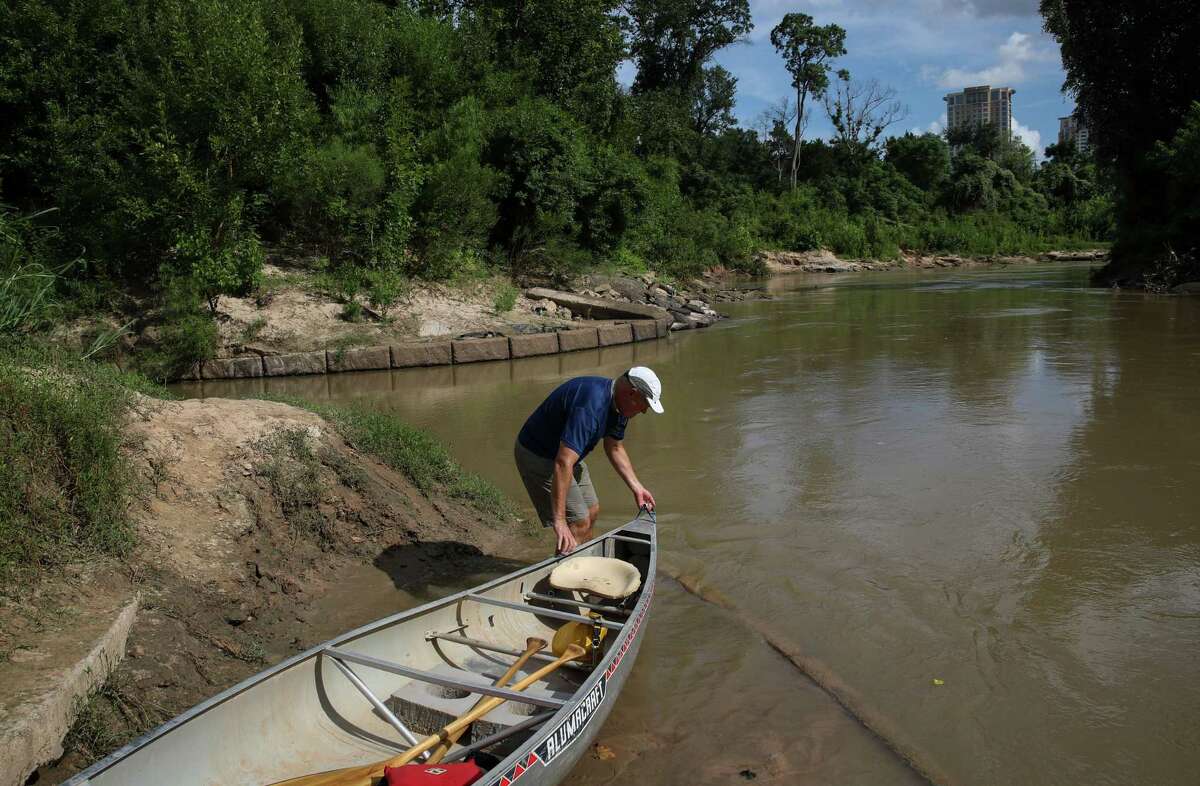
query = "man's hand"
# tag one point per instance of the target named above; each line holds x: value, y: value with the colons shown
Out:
x: 643, y: 497
x: 566, y: 539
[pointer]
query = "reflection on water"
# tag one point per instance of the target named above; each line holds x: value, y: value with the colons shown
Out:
x: 985, y: 478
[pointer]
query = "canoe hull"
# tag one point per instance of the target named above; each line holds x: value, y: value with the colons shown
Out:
x: 304, y: 716
x: 553, y: 752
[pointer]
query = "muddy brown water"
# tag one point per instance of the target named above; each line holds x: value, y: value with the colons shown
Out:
x: 975, y: 496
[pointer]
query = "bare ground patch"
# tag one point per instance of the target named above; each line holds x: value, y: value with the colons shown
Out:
x: 291, y: 316
x: 232, y: 572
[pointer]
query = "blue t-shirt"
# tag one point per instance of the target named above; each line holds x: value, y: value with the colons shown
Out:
x: 578, y: 413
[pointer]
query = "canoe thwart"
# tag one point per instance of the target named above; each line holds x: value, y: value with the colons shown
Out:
x: 379, y: 706
x: 440, y: 679
x: 487, y: 646
x: 572, y: 602
x: 541, y: 612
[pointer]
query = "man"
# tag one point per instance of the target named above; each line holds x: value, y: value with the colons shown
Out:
x: 558, y: 435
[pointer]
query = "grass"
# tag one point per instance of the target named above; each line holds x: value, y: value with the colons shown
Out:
x: 251, y: 331
x: 352, y: 341
x: 111, y: 715
x: 25, y: 297
x: 294, y: 471
x: 413, y: 452
x: 66, y: 487
x: 27, y: 285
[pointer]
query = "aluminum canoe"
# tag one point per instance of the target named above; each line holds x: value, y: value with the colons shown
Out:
x: 354, y: 699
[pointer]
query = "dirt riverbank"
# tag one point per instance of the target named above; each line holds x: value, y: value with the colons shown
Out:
x: 296, y: 310
x: 824, y: 261
x: 253, y: 512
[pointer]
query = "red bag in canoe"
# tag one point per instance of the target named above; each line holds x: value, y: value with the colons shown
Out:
x: 455, y: 774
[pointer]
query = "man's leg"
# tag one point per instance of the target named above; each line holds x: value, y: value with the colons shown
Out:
x: 582, y: 530
x: 537, y: 474
x: 582, y: 517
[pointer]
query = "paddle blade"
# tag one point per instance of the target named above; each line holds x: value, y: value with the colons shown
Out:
x: 578, y: 633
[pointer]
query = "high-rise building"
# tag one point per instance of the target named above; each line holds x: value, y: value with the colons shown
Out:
x: 977, y: 105
x: 1073, y: 129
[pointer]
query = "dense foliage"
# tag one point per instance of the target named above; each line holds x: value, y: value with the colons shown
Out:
x: 1134, y: 69
x: 176, y: 140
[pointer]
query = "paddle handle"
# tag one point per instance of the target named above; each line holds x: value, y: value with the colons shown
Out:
x: 532, y: 646
x: 482, y: 708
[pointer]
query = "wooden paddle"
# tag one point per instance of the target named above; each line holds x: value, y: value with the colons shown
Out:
x: 369, y: 774
x: 532, y: 646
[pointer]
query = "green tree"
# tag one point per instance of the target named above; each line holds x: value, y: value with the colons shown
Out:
x: 712, y: 101
x: 672, y: 40
x: 806, y: 49
x: 924, y: 159
x: 567, y: 49
x: 542, y: 158
x: 1133, y: 70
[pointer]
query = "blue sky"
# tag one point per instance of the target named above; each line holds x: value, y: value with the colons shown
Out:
x: 922, y: 48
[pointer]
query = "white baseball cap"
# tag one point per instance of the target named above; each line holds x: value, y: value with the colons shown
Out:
x: 646, y: 382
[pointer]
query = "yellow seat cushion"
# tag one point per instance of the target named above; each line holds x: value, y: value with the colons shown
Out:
x: 604, y: 576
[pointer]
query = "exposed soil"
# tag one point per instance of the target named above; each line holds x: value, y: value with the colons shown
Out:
x: 230, y: 572
x: 290, y: 316
x: 824, y: 261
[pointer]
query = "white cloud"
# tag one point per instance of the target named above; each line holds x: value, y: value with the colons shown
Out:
x: 1015, y: 56
x: 936, y: 127
x: 1031, y: 137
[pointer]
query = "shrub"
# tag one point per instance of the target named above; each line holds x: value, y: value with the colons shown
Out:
x: 214, y: 263
x: 541, y: 154
x: 506, y: 298
x: 454, y: 209
x: 385, y: 286
x: 187, y: 334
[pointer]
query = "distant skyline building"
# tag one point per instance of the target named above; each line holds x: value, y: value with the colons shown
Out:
x: 975, y: 106
x: 1073, y: 129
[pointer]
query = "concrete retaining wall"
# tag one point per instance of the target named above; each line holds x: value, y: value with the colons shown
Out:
x: 614, y: 334
x: 51, y: 692
x: 432, y: 353
x: 533, y: 344
x: 477, y: 349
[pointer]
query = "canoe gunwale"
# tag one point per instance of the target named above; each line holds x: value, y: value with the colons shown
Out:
x: 603, y: 669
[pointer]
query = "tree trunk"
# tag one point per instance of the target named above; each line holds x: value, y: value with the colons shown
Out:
x: 801, y: 95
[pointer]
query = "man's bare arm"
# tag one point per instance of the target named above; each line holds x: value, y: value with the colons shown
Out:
x: 615, y: 450
x: 564, y: 467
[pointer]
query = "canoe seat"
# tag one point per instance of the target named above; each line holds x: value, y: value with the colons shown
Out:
x: 610, y: 578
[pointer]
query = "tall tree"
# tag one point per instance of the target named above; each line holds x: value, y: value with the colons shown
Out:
x: 860, y: 112
x: 1134, y: 72
x: 671, y: 40
x: 806, y: 49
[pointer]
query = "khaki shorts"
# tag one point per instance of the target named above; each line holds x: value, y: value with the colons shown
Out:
x: 537, y: 474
